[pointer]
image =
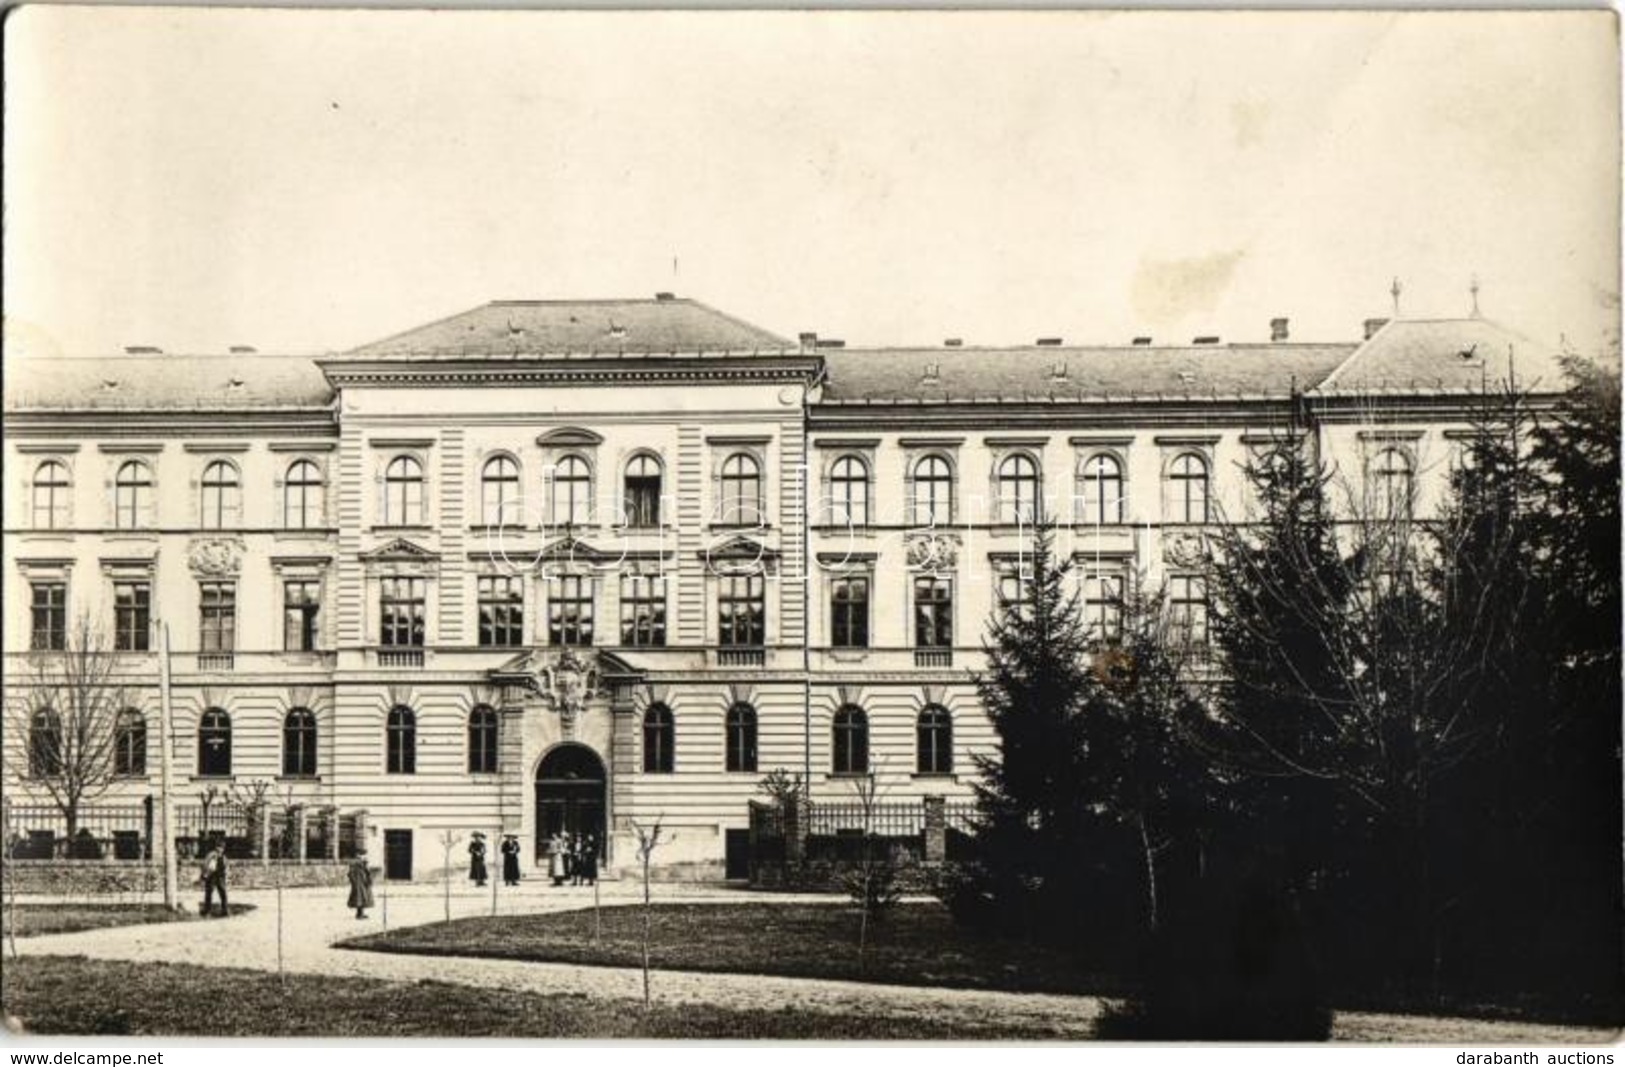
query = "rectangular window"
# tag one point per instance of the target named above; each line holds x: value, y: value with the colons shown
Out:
x: 301, y: 606
x: 400, y: 613
x: 217, y: 612
x: 502, y: 611
x: 742, y: 610
x: 849, y: 612
x: 1103, y: 604
x: 50, y: 616
x: 1016, y: 593
x: 569, y: 610
x: 1187, y: 602
x: 643, y: 610
x: 933, y: 613
x: 132, y: 616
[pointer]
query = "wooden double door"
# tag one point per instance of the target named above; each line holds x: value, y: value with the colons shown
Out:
x: 570, y: 796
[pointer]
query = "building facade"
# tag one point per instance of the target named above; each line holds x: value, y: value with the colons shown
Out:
x: 567, y: 565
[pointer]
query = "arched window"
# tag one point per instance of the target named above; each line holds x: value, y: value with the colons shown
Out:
x: 1188, y: 483
x: 401, y: 742
x: 222, y: 496
x: 935, y: 736
x: 482, y: 740
x: 499, y: 492
x: 659, y: 738
x: 741, y: 483
x: 1100, y: 485
x: 302, y: 504
x: 1391, y: 484
x: 132, y: 495
x: 299, y: 744
x: 403, y: 492
x: 130, y: 744
x: 741, y: 728
x: 642, y: 496
x: 45, y: 744
x: 52, y: 489
x: 214, y: 744
x: 572, y: 492
x: 1018, y: 489
x: 851, y: 741
x: 849, y: 492
x: 933, y: 491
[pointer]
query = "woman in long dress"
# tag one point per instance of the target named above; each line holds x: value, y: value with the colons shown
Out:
x: 476, y: 859
x: 510, y: 859
x: 360, y: 885
x: 555, y: 858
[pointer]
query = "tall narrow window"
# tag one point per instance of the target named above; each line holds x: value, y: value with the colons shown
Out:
x: 400, y: 610
x: 130, y: 744
x: 643, y: 610
x: 45, y: 744
x: 849, y: 612
x: 1188, y: 607
x: 572, y: 492
x: 401, y: 742
x: 502, y: 611
x: 303, y: 506
x: 48, y: 615
x: 1103, y: 604
x: 217, y: 616
x: 659, y: 739
x: 482, y: 740
x: 850, y: 741
x: 642, y: 498
x: 299, y: 744
x: 132, y: 495
x: 740, y: 725
x: 741, y: 610
x: 569, y: 610
x: 214, y: 744
x: 132, y: 616
x: 741, y: 485
x: 301, y: 613
x: 52, y: 493
x: 222, y: 496
x: 403, y: 492
x: 1018, y: 489
x: 933, y: 492
x: 1187, y: 478
x: 849, y: 492
x: 933, y: 612
x: 934, y: 736
x: 499, y: 492
x: 1392, y: 484
x: 1101, y: 490
x: 1016, y: 593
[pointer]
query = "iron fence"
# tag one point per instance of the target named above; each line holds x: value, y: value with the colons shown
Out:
x: 100, y: 831
x: 880, y: 820
x: 227, y: 821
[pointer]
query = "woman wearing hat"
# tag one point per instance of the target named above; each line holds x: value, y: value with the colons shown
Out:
x: 556, y: 847
x: 360, y: 884
x: 476, y: 858
x: 510, y: 859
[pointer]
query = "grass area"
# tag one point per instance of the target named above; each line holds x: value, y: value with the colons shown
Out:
x: 34, y: 920
x: 918, y: 944
x: 73, y: 995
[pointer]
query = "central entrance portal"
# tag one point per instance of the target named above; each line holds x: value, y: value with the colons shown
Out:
x: 569, y: 796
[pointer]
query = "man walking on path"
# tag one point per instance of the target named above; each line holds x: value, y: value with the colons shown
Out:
x: 213, y: 875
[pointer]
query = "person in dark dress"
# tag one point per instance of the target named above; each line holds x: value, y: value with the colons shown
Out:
x: 476, y: 859
x: 572, y: 852
x: 510, y: 859
x: 360, y: 885
x: 589, y: 860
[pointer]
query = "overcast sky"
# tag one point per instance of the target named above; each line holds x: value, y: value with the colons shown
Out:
x: 309, y: 181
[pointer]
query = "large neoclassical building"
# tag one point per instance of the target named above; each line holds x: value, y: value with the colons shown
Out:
x: 555, y: 565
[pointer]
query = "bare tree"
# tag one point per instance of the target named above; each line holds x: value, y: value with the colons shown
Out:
x: 449, y: 839
x: 68, y: 717
x: 872, y: 883
x: 649, y: 839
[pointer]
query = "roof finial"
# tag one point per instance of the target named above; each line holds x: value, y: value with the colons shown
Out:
x: 1472, y: 287
x: 1394, y: 290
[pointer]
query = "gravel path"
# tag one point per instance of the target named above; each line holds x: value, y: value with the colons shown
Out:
x: 314, y: 919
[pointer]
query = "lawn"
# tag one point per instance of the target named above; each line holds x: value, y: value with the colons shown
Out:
x: 918, y: 944
x: 33, y: 920
x: 73, y: 995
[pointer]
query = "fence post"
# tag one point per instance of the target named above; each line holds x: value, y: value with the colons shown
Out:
x: 300, y: 821
x: 794, y: 825
x: 331, y: 820
x: 259, y: 831
x: 146, y: 828
x: 936, y: 830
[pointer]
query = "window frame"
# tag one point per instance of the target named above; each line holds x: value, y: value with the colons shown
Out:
x: 1186, y: 594
x: 130, y: 744
x: 301, y: 735
x: 1392, y: 478
x: 48, y: 620
x: 217, y: 615
x: 405, y: 491
x: 643, y: 616
x: 640, y: 489
x: 220, y: 496
x: 484, y: 736
x: 410, y: 611
x: 1187, y: 471
x: 499, y: 614
x: 58, y: 507
x: 1008, y: 476
x: 501, y: 496
x: 309, y: 620
x: 401, y: 741
x: 45, y: 739
x: 132, y: 620
x: 742, y: 617
x: 941, y: 613
x: 571, y: 614
x: 576, y: 506
x: 849, y: 741
x: 850, y: 475
x: 934, y: 741
x: 940, y: 513
x: 742, y: 753
x: 737, y: 471
x: 214, y: 760
x: 134, y: 488
x: 305, y: 495
x: 1095, y: 507
x: 849, y: 610
x: 659, y: 734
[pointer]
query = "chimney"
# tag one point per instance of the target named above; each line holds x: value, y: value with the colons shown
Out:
x: 809, y: 340
x: 143, y: 350
x: 663, y: 297
x: 952, y: 342
x: 1211, y: 340
x: 1048, y: 342
x: 1141, y: 342
x: 1278, y: 330
x: 244, y: 350
x: 1372, y: 326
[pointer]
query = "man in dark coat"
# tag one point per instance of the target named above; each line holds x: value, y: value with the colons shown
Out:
x: 213, y: 874
x: 476, y: 859
x: 360, y: 885
x: 510, y: 859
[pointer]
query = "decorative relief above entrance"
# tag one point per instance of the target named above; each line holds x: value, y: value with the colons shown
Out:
x: 935, y: 552
x: 566, y: 680
x: 215, y: 557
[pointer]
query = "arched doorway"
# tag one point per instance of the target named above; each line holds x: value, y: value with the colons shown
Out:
x: 569, y: 796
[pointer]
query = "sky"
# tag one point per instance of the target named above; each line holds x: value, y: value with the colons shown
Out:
x: 308, y: 181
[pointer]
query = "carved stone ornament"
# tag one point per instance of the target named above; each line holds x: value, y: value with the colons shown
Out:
x: 215, y: 556
x: 933, y: 551
x: 1185, y: 550
x: 569, y: 682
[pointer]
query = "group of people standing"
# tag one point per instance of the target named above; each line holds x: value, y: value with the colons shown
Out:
x: 572, y: 858
x: 510, y: 859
